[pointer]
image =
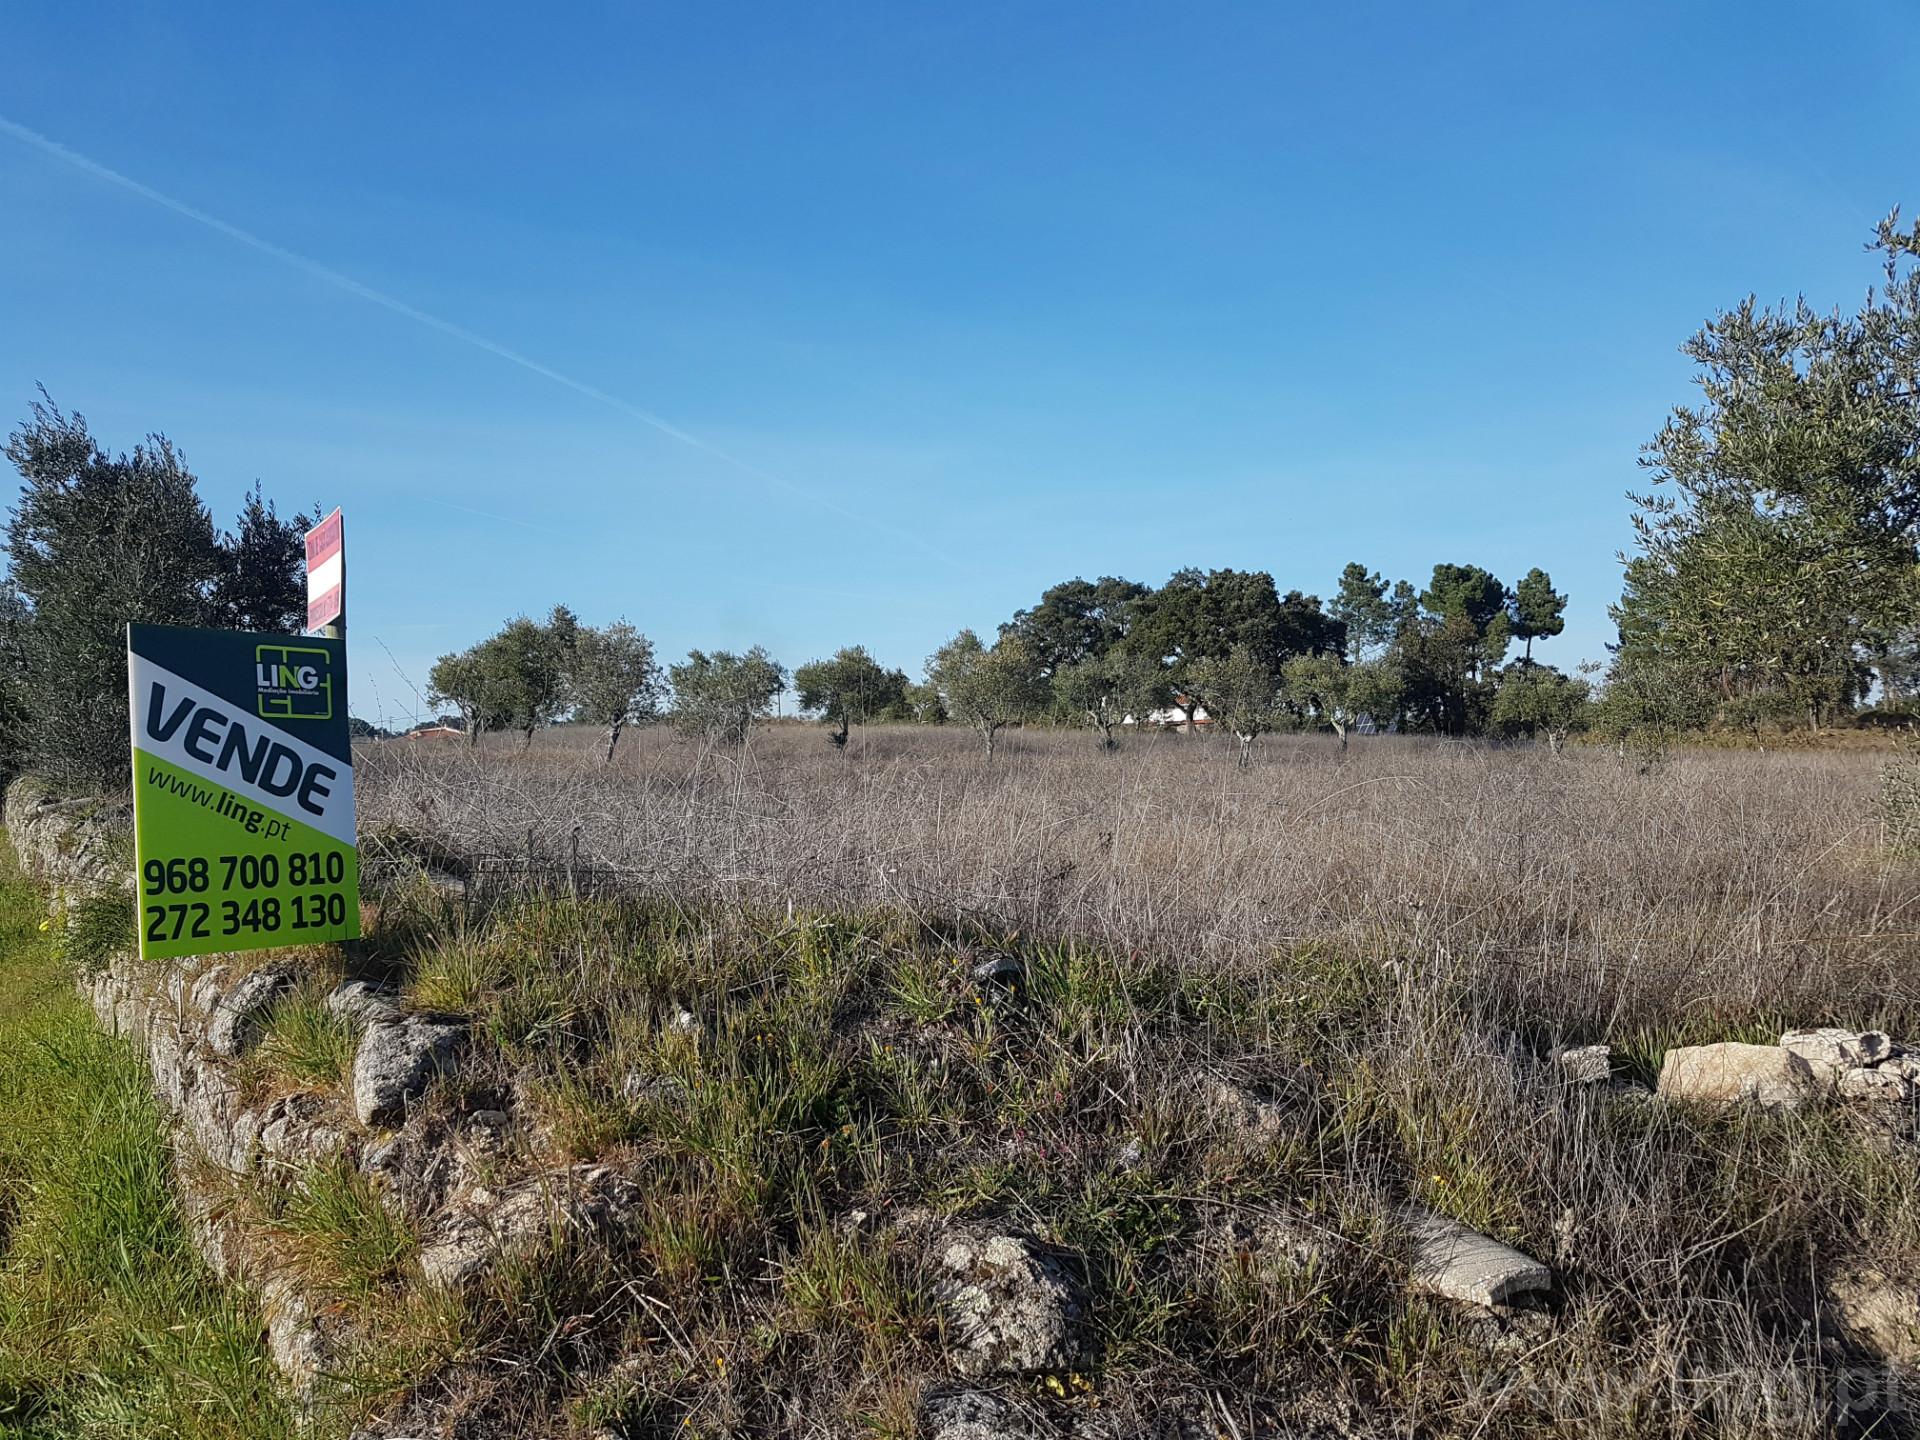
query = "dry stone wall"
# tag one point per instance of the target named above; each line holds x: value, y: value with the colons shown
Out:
x: 195, y: 1022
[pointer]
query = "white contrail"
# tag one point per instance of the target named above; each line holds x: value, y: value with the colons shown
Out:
x: 490, y: 515
x: 446, y: 327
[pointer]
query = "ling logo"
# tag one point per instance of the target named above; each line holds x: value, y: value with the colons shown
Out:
x: 294, y: 682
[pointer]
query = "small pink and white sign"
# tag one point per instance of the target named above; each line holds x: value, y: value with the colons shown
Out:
x: 326, y: 573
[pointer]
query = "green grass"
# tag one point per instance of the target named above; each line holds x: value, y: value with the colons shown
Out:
x: 306, y: 1042
x: 339, y: 1235
x: 109, y: 1325
x: 851, y: 1286
x: 97, y: 928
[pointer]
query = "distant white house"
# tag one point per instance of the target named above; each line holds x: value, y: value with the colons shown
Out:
x: 1172, y: 718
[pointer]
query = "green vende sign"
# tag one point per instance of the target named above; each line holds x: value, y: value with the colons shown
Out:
x: 242, y: 790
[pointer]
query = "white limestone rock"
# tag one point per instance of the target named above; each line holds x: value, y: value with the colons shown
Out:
x: 1460, y: 1264
x: 362, y: 1003
x: 239, y: 1018
x: 1255, y: 1121
x: 1584, y: 1064
x: 1831, y: 1051
x: 973, y: 1415
x: 1010, y: 1309
x: 522, y: 1220
x: 1882, y: 1086
x: 1732, y: 1073
x: 396, y: 1061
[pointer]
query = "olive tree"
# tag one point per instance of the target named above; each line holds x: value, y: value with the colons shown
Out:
x: 533, y: 662
x: 1103, y: 691
x: 718, y: 696
x: 518, y: 679
x: 850, y: 689
x: 1648, y: 701
x: 923, y: 705
x: 1779, y: 540
x: 988, y: 689
x: 1336, y: 694
x: 1537, y: 701
x: 615, y: 682
x: 464, y: 681
x: 1241, y: 691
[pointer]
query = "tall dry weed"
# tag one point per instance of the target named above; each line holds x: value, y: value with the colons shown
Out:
x: 1725, y: 883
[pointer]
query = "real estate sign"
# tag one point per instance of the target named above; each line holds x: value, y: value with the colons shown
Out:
x: 243, y: 790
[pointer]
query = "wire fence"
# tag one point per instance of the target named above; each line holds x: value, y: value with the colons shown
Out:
x: 481, y: 882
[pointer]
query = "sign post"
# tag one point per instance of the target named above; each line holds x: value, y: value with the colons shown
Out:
x: 243, y: 790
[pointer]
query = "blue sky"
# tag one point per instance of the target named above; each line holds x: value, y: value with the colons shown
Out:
x: 958, y: 301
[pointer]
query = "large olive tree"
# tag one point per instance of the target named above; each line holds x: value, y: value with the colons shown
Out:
x: 1779, y: 542
x: 850, y: 689
x: 615, y: 682
x: 719, y: 695
x: 987, y: 688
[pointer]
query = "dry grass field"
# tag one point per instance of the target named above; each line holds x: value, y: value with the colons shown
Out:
x: 769, y: 1012
x: 1723, y: 885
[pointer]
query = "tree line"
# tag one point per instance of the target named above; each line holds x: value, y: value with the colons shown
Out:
x: 1223, y: 646
x: 534, y: 673
x: 1774, y: 581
